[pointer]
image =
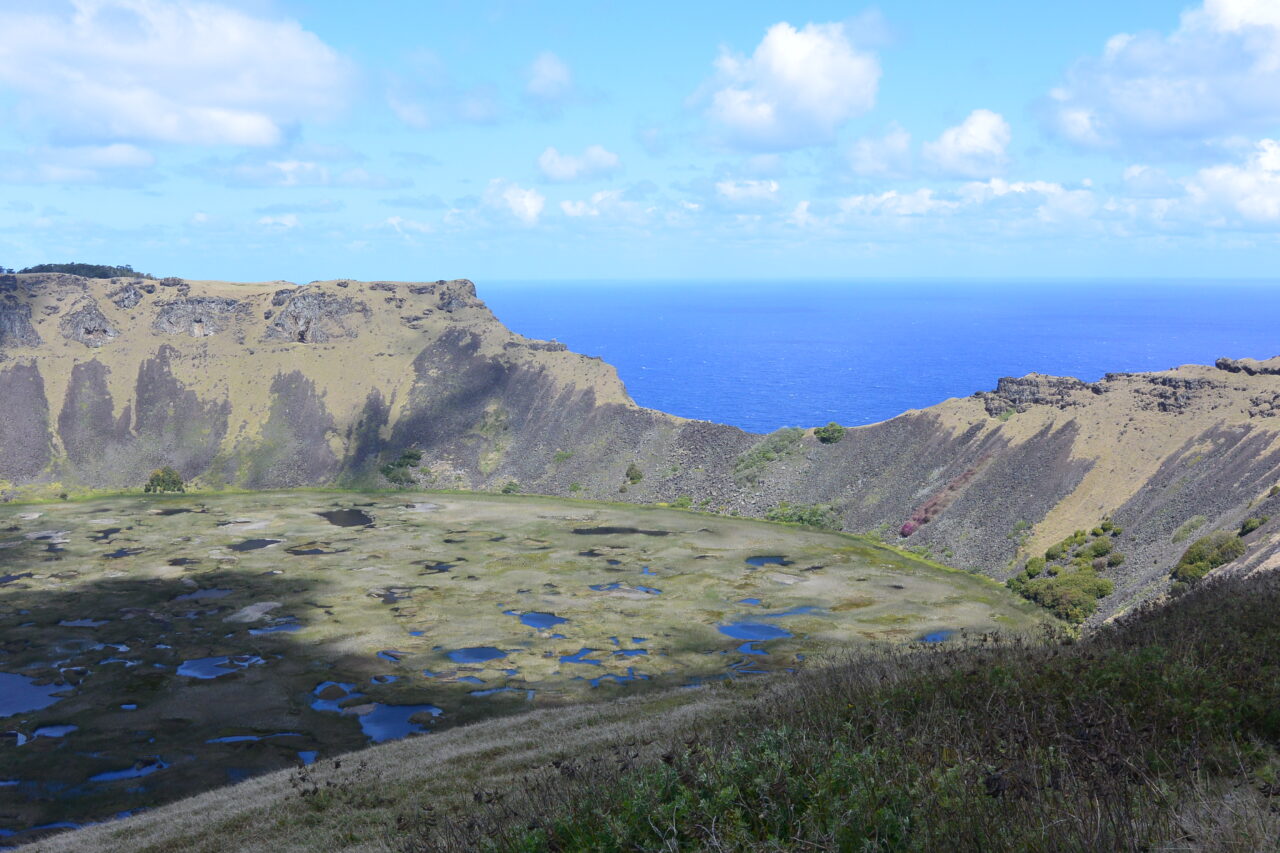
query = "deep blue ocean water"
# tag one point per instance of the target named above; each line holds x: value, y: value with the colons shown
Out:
x: 766, y: 355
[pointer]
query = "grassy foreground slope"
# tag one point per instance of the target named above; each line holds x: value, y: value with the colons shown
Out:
x: 1156, y: 733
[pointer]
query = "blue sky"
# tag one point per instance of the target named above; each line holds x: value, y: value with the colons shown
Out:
x: 264, y: 139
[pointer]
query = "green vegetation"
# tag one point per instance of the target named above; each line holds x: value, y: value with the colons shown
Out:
x: 575, y: 487
x: 89, y: 270
x: 511, y: 487
x: 829, y: 434
x: 634, y: 474
x: 1205, y: 555
x: 164, y: 480
x: 1191, y: 525
x: 1158, y: 734
x: 399, y: 471
x: 562, y: 456
x: 811, y: 515
x: 750, y: 466
x: 1252, y: 524
x: 1065, y: 580
x: 682, y: 502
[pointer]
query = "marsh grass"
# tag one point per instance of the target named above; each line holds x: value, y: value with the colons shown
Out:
x: 1158, y: 733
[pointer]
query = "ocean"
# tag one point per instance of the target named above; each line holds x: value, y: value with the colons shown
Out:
x: 764, y: 355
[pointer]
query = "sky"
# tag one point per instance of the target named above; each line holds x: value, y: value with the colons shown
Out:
x: 314, y: 139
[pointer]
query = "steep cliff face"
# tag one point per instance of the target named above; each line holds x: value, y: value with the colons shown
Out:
x: 272, y: 385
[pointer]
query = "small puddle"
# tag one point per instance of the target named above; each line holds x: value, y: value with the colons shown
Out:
x: 19, y: 694
x: 144, y: 767
x: 347, y: 517
x: 308, y: 756
x: 755, y: 631
x: 794, y: 611
x: 331, y: 693
x: 203, y: 595
x: 54, y: 731
x: 392, y: 722
x: 254, y: 544
x: 436, y: 568
x: 179, y: 562
x: 631, y: 675
x: 615, y: 531
x: 537, y: 620
x: 105, y: 534
x: 279, y: 628
x: 754, y: 602
x: 83, y: 623
x: 251, y: 738
x: 123, y: 552
x: 938, y: 636
x: 4, y: 579
x: 392, y: 655
x: 580, y: 656
x: 761, y: 562
x: 216, y: 667
x: 176, y: 510
x: 476, y: 654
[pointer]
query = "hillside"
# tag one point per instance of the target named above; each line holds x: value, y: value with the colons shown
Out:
x: 271, y: 385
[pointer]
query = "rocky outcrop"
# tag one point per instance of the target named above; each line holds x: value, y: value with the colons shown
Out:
x: 15, y: 326
x: 311, y: 316
x: 128, y: 296
x: 1249, y: 366
x: 1017, y: 394
x: 198, y: 316
x: 87, y: 324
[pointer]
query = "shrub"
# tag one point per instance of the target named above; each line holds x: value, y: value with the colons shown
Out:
x: 1252, y: 524
x: 829, y: 434
x: 812, y: 515
x: 562, y: 456
x: 1099, y: 547
x: 1205, y: 555
x: 682, y: 502
x: 89, y: 270
x: 751, y: 465
x: 398, y: 472
x: 511, y: 487
x: 1055, y: 552
x: 1273, y: 491
x: 164, y: 480
x: 634, y: 474
x: 1115, y: 559
x: 575, y: 487
x: 1034, y: 567
x: 1072, y: 597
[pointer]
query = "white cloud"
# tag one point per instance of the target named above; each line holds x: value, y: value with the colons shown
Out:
x: 893, y: 203
x: 77, y: 164
x: 1217, y: 74
x: 548, y: 82
x: 975, y: 148
x: 1048, y: 200
x: 594, y: 162
x: 283, y: 223
x: 747, y: 192
x: 524, y: 204
x: 290, y: 172
x: 179, y: 71
x: 604, y: 203
x: 1250, y: 192
x: 1142, y: 181
x: 885, y: 156
x: 795, y: 90
x: 406, y: 227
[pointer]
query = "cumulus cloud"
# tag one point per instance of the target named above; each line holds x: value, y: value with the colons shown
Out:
x: 524, y: 204
x: 284, y: 222
x: 78, y: 164
x: 548, y: 83
x: 178, y: 71
x: 796, y: 89
x: 1250, y: 191
x: 594, y: 162
x: 894, y: 203
x: 887, y: 156
x: 747, y: 192
x: 289, y: 172
x: 1217, y: 74
x: 975, y: 148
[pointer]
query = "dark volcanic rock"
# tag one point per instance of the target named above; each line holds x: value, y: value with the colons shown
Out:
x: 87, y: 325
x: 1247, y: 366
x: 1020, y: 393
x: 16, y: 328
x: 294, y: 450
x: 126, y: 297
x: 198, y: 316
x: 24, y: 427
x: 312, y: 316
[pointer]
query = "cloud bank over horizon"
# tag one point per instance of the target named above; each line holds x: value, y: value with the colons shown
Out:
x: 239, y: 139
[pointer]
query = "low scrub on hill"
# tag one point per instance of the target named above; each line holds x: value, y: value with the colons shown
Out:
x: 1206, y: 554
x: 812, y: 515
x: 750, y: 466
x: 1067, y: 580
x: 89, y: 270
x: 1156, y: 733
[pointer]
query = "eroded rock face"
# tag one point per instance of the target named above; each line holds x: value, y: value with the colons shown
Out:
x: 87, y: 324
x: 1248, y: 366
x: 16, y: 328
x: 199, y: 317
x: 313, y: 316
x: 1020, y: 393
x: 126, y: 297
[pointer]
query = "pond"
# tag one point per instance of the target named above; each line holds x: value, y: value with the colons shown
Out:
x: 218, y: 666
x: 538, y: 620
x: 347, y: 517
x: 753, y: 631
x: 254, y: 544
x: 19, y: 694
x: 476, y: 654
